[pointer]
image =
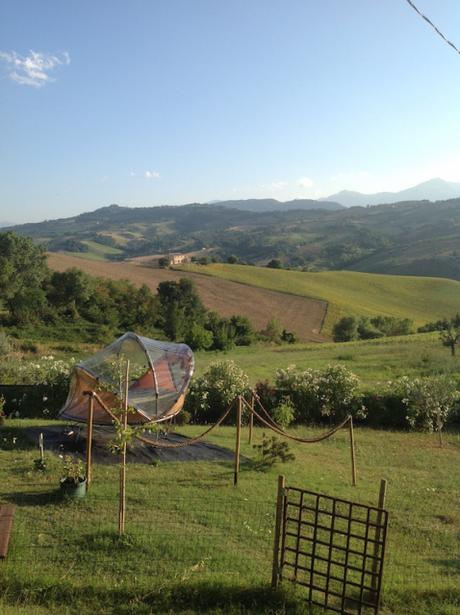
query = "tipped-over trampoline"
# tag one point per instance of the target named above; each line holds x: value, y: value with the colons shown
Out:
x: 159, y: 374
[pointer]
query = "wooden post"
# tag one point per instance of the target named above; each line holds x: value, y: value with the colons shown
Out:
x: 353, y: 455
x: 378, y: 533
x: 89, y: 440
x: 122, y: 509
x: 238, y: 440
x: 251, y: 419
x: 40, y: 447
x: 278, y: 524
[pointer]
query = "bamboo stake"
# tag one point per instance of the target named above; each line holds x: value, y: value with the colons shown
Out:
x: 238, y: 441
x: 352, y: 449
x: 41, y: 447
x: 378, y: 533
x: 122, y: 510
x: 251, y: 419
x: 89, y: 440
x: 278, y: 524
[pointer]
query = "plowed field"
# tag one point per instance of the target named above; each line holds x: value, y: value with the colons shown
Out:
x: 302, y: 315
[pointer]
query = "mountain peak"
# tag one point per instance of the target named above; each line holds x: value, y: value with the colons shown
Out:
x: 435, y: 189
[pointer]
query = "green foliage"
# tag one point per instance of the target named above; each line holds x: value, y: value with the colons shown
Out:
x: 288, y: 337
x: 212, y: 393
x: 346, y: 329
x: 429, y: 401
x: 316, y: 394
x: 6, y: 344
x: 199, y: 338
x: 275, y: 263
x: 23, y: 272
x: 180, y: 307
x: 284, y: 413
x: 272, y: 451
x: 350, y: 328
x: 73, y: 471
x: 272, y: 332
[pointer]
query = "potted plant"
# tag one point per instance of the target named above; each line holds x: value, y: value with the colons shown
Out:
x: 73, y: 480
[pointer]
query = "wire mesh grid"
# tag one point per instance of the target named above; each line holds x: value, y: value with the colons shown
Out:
x: 168, y: 538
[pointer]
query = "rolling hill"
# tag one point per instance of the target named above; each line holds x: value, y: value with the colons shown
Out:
x: 302, y: 315
x: 418, y: 298
x: 407, y: 238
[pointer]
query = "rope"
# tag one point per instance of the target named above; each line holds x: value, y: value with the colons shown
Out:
x: 188, y: 442
x: 281, y: 432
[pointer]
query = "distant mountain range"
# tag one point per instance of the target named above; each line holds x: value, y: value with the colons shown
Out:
x: 432, y: 190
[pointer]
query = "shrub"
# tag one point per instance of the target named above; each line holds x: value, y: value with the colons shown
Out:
x: 284, y: 413
x: 199, y: 338
x: 346, y: 329
x: 317, y: 394
x: 272, y: 451
x: 212, y: 393
x: 429, y: 401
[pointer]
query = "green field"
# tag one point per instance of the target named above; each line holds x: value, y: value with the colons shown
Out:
x: 374, y: 361
x: 347, y: 292
x: 196, y: 544
x: 97, y: 251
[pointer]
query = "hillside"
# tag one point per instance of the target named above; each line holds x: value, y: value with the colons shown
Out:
x: 302, y: 315
x: 412, y: 238
x: 418, y: 298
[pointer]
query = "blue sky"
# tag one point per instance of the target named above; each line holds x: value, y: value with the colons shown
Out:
x: 152, y: 102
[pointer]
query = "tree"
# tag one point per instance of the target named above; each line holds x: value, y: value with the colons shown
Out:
x: 450, y: 336
x: 180, y: 308
x: 275, y: 263
x: 243, y: 330
x: 346, y: 329
x: 163, y: 262
x: 23, y: 271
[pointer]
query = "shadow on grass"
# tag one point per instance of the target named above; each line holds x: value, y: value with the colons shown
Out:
x: 202, y: 597
x: 448, y: 566
x: 14, y: 439
x: 38, y: 498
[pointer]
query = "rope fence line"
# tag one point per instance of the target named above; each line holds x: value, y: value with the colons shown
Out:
x: 189, y: 441
x: 272, y: 425
x: 242, y: 402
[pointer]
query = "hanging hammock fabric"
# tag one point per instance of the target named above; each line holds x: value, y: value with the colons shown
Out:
x: 160, y: 373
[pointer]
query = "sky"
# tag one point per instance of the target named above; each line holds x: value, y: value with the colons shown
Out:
x: 152, y: 102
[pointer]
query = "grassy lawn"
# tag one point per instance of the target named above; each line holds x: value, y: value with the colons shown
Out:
x: 348, y: 292
x: 374, y: 361
x: 195, y: 544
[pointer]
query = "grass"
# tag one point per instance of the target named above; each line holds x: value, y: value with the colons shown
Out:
x: 195, y: 544
x: 374, y: 361
x: 347, y: 292
x: 97, y: 251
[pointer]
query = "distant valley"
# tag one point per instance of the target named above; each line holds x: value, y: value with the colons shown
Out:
x: 413, y: 237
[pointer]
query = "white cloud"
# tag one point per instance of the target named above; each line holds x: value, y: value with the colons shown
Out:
x: 152, y: 175
x: 305, y: 182
x: 33, y: 68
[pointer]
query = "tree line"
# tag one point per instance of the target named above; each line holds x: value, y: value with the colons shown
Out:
x: 35, y: 297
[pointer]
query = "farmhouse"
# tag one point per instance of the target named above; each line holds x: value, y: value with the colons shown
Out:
x: 177, y: 258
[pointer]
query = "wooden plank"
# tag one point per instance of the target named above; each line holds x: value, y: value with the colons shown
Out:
x: 6, y: 524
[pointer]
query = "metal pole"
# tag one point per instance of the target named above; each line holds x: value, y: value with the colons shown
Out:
x: 278, y: 524
x: 378, y: 532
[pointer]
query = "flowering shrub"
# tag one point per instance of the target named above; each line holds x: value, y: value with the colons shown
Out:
x: 212, y: 393
x: 429, y: 401
x: 316, y: 394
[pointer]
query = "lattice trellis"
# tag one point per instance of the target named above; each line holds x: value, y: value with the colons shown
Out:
x: 335, y: 548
